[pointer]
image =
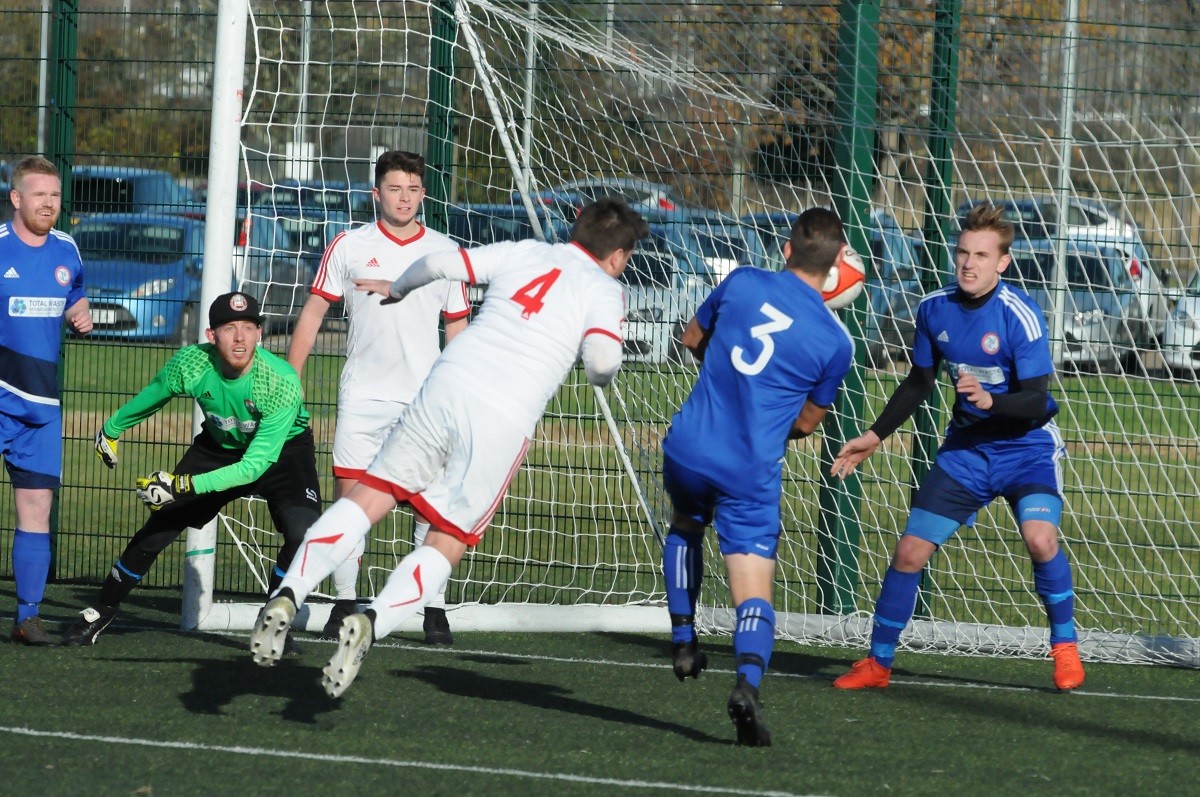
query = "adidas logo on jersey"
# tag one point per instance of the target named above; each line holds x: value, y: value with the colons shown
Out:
x: 943, y: 337
x: 372, y: 263
x: 11, y: 274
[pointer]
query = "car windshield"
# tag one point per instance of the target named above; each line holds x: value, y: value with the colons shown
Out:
x: 649, y: 268
x: 1035, y: 270
x: 145, y: 243
x: 306, y: 198
x: 716, y: 242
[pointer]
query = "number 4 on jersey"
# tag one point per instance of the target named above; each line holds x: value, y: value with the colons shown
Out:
x: 532, y: 295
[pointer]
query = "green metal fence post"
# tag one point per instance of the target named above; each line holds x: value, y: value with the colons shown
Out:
x: 938, y: 176
x: 838, y: 525
x: 439, y: 149
x: 60, y: 149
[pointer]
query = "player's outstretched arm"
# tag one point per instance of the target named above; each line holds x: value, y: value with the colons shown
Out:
x: 854, y: 452
x: 304, y: 335
x: 443, y: 265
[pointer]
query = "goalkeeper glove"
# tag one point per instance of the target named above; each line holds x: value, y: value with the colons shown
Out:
x: 161, y: 488
x: 106, y: 449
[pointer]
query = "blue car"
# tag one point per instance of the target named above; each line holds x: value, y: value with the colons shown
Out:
x: 142, y: 274
x: 126, y: 189
x: 893, y: 282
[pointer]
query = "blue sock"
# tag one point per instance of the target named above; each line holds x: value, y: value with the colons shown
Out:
x: 893, y: 610
x: 683, y: 570
x: 754, y: 639
x: 31, y: 566
x: 1052, y: 580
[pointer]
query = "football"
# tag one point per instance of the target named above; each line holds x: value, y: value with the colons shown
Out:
x: 845, y: 281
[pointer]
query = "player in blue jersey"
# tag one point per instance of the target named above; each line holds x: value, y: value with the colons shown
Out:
x: 773, y: 357
x: 1002, y: 442
x: 42, y: 284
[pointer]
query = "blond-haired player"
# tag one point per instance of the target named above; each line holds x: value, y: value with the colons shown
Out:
x: 389, y: 350
x: 459, y: 443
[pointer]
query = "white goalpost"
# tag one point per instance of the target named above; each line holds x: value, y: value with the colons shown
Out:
x: 520, y: 98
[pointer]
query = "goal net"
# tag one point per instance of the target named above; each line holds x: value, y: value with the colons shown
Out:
x: 718, y: 121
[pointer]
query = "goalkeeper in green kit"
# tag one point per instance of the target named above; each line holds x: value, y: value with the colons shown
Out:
x: 255, y: 440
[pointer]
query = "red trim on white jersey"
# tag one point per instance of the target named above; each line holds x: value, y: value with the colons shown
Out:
x: 586, y: 252
x: 323, y: 270
x: 599, y: 331
x: 417, y: 503
x: 401, y: 241
x: 466, y: 301
x: 349, y: 473
x: 470, y: 271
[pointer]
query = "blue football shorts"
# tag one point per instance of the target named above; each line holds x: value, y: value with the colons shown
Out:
x: 1026, y: 472
x: 743, y: 525
x: 32, y: 454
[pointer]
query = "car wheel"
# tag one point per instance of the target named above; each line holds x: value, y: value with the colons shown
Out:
x: 185, y: 330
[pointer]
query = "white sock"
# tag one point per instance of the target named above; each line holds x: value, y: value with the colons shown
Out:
x: 420, y: 530
x: 335, y: 537
x: 345, y: 578
x: 419, y: 576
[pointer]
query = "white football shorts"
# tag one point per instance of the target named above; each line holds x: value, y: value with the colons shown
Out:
x: 451, y: 459
x: 362, y: 427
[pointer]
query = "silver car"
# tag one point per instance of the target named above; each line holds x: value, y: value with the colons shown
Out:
x: 1114, y: 308
x: 1181, y: 338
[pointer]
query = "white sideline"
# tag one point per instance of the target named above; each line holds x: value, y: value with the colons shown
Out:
x: 391, y: 762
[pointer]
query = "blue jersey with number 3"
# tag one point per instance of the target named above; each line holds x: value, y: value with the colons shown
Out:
x: 37, y: 285
x: 773, y: 345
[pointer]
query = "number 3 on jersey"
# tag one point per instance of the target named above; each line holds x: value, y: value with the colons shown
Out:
x: 532, y: 295
x: 761, y: 333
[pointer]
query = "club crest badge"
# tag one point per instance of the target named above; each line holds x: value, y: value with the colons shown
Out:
x: 991, y: 343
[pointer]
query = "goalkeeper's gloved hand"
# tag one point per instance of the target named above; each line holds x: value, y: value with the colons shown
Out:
x: 106, y: 449
x: 161, y: 488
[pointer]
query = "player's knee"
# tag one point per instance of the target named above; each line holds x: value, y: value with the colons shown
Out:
x: 912, y: 554
x: 1041, y: 539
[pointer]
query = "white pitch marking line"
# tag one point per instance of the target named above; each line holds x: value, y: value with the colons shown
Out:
x: 389, y: 762
x: 448, y: 651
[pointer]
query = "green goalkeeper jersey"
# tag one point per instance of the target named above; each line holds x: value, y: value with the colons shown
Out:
x: 256, y: 413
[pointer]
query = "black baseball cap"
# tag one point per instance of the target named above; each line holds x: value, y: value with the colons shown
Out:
x: 236, y: 306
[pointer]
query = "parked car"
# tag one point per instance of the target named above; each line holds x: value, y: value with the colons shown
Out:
x: 478, y: 224
x: 893, y: 280
x: 639, y: 194
x: 1114, y: 307
x: 725, y: 242
x: 125, y: 189
x: 248, y: 193
x: 142, y: 274
x: 1181, y: 337
x: 1087, y: 219
x: 665, y: 282
x: 354, y: 199
x: 282, y: 249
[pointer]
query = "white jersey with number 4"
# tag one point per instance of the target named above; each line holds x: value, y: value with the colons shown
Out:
x: 390, y: 348
x: 542, y: 300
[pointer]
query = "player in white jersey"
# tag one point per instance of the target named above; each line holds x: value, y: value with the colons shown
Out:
x: 458, y: 444
x: 389, y: 350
